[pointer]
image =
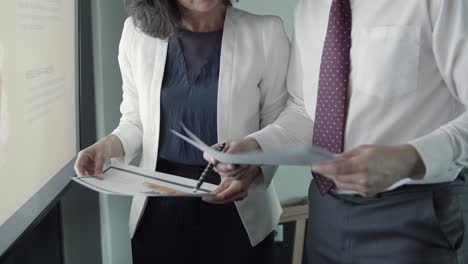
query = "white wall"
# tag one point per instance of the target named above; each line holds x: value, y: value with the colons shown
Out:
x: 281, y: 8
x: 108, y: 19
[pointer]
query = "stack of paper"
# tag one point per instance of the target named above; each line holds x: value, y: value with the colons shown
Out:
x: 304, y: 155
x: 120, y: 179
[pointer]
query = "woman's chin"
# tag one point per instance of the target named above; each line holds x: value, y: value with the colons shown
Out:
x: 201, y: 6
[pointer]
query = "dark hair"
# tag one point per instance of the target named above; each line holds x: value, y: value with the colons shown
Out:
x: 157, y: 18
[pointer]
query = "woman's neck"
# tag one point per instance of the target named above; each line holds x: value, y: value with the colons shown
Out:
x: 203, y: 21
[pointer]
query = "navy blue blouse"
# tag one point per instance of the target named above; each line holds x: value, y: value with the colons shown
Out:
x: 189, y: 94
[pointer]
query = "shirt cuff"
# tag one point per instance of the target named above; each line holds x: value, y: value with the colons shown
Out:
x: 436, y: 153
x: 129, y: 150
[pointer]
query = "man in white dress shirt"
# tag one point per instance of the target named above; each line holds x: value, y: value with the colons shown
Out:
x: 385, y: 83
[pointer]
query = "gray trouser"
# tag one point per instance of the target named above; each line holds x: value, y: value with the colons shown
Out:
x: 410, y: 225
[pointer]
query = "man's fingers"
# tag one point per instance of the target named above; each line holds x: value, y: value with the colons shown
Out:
x: 356, y: 182
x: 357, y: 179
x: 361, y: 150
x: 340, y: 167
x: 332, y: 168
x: 349, y: 154
x: 349, y: 187
x: 345, y: 186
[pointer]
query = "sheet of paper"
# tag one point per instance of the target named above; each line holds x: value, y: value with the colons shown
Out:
x: 126, y: 180
x: 291, y: 156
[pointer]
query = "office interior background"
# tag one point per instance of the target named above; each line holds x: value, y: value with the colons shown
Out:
x: 81, y: 226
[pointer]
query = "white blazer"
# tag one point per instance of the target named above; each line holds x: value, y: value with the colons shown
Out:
x: 251, y: 94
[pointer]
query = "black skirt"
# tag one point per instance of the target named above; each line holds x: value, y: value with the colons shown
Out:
x: 188, y: 230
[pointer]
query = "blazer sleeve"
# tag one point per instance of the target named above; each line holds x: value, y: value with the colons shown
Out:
x: 273, y: 94
x: 129, y: 130
x: 293, y: 126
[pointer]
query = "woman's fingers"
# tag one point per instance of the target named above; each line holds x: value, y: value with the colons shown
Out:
x: 235, y: 190
x: 240, y: 196
x: 227, y: 168
x: 231, y: 147
x: 214, y: 199
x: 90, y: 162
x: 209, y: 158
x: 98, y: 166
x: 222, y: 186
x: 238, y: 173
x: 81, y: 164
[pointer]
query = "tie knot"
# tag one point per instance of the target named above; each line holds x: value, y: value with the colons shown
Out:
x: 340, y: 17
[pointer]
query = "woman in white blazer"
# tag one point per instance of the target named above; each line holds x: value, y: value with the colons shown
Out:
x: 222, y: 72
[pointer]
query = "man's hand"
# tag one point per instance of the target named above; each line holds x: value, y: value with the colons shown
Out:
x: 235, y: 179
x: 369, y: 170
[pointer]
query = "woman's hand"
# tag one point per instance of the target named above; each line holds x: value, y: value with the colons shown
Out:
x: 90, y: 161
x: 235, y: 179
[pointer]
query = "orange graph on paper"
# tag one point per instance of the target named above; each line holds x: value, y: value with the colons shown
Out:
x: 162, y: 189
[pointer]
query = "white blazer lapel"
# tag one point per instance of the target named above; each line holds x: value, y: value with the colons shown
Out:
x: 225, y: 77
x: 150, y: 157
x: 155, y: 93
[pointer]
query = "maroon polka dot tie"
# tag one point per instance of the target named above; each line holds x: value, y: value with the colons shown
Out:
x: 330, y: 117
